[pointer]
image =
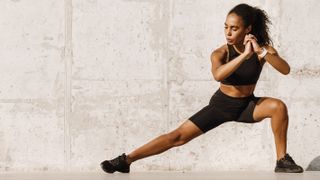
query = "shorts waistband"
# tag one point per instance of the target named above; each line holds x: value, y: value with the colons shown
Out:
x: 219, y: 92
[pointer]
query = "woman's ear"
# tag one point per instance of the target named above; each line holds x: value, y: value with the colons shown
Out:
x: 248, y: 29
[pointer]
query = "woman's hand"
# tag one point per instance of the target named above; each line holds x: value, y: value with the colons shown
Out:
x: 248, y: 51
x: 256, y: 47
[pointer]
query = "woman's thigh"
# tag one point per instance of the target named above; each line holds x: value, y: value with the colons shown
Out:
x: 265, y: 108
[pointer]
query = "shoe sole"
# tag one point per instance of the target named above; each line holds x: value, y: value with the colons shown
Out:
x: 107, y: 171
x: 284, y: 170
x: 112, y: 171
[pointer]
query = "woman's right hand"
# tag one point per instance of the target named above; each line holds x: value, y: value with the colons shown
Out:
x: 248, y: 51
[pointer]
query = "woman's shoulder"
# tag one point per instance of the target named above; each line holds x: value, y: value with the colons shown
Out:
x: 220, y: 53
x: 222, y: 50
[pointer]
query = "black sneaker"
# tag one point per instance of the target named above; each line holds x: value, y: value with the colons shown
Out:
x: 287, y: 165
x: 117, y: 164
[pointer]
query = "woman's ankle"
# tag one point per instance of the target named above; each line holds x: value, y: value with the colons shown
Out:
x: 129, y: 159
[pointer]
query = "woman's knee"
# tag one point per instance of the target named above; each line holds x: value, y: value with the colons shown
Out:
x: 177, y: 138
x: 278, y: 105
x: 184, y: 133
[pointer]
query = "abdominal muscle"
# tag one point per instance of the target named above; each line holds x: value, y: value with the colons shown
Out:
x: 237, y: 91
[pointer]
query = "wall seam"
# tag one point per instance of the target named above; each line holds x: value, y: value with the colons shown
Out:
x: 168, y: 57
x: 68, y: 72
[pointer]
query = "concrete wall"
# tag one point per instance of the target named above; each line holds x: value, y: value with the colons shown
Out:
x: 85, y: 80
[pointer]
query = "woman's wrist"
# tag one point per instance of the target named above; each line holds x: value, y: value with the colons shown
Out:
x: 246, y: 55
x: 262, y: 52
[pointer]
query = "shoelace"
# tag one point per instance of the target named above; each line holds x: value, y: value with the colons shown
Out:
x: 289, y: 158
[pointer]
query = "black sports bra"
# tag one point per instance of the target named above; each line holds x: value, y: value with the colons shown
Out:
x: 247, y: 73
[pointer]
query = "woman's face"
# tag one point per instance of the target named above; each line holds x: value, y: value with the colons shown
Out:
x: 234, y: 29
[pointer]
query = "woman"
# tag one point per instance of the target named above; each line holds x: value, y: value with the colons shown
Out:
x: 237, y: 66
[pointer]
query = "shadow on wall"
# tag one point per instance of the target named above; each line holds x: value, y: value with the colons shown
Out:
x: 314, y: 165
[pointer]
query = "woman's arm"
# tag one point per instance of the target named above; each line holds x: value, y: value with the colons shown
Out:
x: 221, y: 70
x: 272, y: 57
x: 276, y: 61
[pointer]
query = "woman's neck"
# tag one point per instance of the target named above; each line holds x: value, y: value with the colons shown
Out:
x: 239, y: 47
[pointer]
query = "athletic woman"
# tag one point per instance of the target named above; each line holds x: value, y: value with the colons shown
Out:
x: 237, y: 66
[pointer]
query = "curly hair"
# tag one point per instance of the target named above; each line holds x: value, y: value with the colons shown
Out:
x: 257, y: 18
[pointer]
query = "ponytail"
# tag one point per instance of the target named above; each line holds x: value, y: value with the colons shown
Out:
x: 258, y: 19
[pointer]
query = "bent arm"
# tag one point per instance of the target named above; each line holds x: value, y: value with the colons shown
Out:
x: 221, y: 70
x: 276, y: 61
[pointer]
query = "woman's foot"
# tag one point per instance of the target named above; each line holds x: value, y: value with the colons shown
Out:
x: 117, y: 164
x: 287, y: 165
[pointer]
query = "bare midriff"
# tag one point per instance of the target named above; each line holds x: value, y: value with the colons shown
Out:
x: 237, y: 91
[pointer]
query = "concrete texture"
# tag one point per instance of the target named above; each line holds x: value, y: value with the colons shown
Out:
x: 86, y: 80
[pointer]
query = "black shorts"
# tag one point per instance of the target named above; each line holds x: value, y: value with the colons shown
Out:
x: 223, y: 108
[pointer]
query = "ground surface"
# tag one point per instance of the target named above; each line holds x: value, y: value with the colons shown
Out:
x: 309, y: 175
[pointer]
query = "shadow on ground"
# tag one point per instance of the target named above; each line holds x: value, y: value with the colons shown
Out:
x: 314, y: 165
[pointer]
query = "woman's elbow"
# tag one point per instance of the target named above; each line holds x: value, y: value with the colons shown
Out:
x: 286, y: 71
x: 216, y: 77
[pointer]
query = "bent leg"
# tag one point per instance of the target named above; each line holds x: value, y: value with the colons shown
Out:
x: 276, y: 110
x: 183, y: 134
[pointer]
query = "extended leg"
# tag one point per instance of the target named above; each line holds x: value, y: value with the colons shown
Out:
x: 183, y: 134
